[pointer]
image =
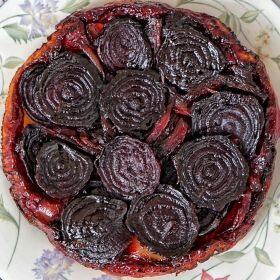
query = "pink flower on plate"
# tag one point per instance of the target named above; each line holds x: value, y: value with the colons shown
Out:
x: 207, y: 276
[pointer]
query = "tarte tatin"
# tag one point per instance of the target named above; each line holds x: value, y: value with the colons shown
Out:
x: 140, y: 138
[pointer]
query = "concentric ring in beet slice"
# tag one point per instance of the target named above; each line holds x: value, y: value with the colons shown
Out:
x: 28, y: 87
x: 32, y: 140
x: 128, y: 168
x: 124, y: 45
x: 64, y: 93
x: 187, y: 57
x: 212, y: 171
x: 164, y: 221
x: 232, y: 114
x: 62, y: 171
x: 134, y: 100
x: 93, y: 228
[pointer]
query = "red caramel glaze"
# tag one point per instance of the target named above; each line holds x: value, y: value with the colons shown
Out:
x: 74, y: 34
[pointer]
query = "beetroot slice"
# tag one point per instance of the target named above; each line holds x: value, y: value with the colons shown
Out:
x: 153, y: 31
x: 186, y: 56
x: 211, y: 171
x: 230, y: 114
x: 209, y: 220
x: 128, y: 168
x: 164, y: 221
x: 64, y: 93
x: 31, y: 142
x: 134, y: 100
x: 28, y: 87
x: 61, y: 171
x: 92, y: 228
x: 123, y: 45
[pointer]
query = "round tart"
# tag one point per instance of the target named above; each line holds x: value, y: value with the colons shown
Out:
x: 140, y: 138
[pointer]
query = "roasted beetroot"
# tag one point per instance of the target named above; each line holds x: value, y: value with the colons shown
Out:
x: 123, y: 45
x: 134, y: 100
x: 211, y: 171
x: 65, y: 92
x: 165, y: 221
x: 128, y: 168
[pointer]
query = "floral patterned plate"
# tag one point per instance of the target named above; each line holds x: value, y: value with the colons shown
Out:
x: 26, y: 254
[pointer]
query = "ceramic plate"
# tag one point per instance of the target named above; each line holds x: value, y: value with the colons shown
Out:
x: 26, y: 254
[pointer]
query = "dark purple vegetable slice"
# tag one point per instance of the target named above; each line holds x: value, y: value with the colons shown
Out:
x: 164, y: 221
x: 209, y: 219
x: 124, y: 45
x: 62, y: 171
x: 168, y: 172
x: 65, y: 93
x: 244, y: 79
x: 32, y: 141
x: 92, y: 228
x: 95, y: 187
x: 28, y: 88
x: 187, y: 57
x: 211, y: 171
x: 128, y: 168
x: 153, y: 30
x: 134, y: 100
x: 230, y: 114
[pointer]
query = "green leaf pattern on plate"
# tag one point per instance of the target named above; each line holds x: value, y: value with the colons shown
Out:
x: 184, y: 2
x: 5, y: 214
x: 277, y: 60
x: 16, y: 32
x: 231, y: 20
x: 276, y: 228
x: 231, y: 256
x: 263, y: 256
x: 250, y: 16
x: 12, y: 62
x: 74, y: 5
